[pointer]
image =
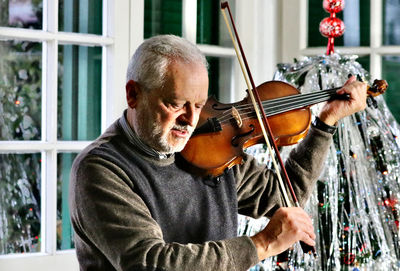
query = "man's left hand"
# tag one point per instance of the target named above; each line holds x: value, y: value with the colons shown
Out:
x: 338, y: 109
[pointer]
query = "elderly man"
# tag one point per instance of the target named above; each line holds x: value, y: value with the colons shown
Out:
x: 133, y: 204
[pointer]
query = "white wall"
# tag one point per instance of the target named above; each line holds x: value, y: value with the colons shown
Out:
x: 259, y: 26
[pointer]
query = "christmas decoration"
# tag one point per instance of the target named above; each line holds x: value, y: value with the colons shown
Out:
x: 332, y: 27
x: 355, y: 205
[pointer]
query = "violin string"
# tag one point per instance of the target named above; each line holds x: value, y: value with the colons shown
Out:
x: 295, y: 97
x: 300, y: 102
x: 281, y: 105
x: 283, y: 101
x: 248, y: 115
x: 269, y: 113
x: 273, y: 110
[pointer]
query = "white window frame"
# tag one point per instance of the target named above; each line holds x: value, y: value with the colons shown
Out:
x: 123, y: 24
x: 295, y: 36
x: 114, y: 39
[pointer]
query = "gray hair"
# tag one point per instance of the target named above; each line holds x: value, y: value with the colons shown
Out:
x: 148, y: 66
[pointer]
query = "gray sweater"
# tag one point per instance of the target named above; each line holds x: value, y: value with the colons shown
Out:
x: 134, y: 212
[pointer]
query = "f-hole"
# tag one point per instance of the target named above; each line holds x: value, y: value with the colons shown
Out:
x: 236, y: 138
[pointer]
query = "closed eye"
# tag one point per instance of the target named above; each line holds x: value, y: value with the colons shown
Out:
x: 200, y: 106
x: 177, y: 105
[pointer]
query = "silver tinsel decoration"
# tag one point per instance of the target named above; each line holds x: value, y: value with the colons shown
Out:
x: 355, y: 205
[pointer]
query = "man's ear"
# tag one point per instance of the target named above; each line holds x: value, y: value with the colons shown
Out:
x: 132, y: 93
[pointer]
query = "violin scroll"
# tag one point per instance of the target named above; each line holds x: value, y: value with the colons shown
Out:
x: 378, y: 87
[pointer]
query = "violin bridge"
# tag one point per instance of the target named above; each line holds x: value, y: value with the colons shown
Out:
x: 236, y: 116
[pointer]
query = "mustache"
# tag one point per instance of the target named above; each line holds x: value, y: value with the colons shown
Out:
x: 187, y: 128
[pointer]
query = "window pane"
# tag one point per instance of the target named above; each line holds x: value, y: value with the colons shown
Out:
x: 162, y: 17
x: 356, y: 17
x: 64, y: 228
x: 211, y: 27
x: 21, y: 13
x: 79, y: 92
x: 391, y: 73
x: 391, y: 22
x: 220, y: 75
x: 80, y: 16
x: 20, y: 203
x: 364, y: 61
x: 20, y: 90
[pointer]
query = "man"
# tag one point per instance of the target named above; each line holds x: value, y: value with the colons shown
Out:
x: 134, y: 206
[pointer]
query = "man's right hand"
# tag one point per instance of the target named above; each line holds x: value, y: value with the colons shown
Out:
x: 286, y: 227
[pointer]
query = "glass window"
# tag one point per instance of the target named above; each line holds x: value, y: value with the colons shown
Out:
x: 75, y: 109
x: 20, y: 203
x: 220, y: 76
x: 64, y: 228
x: 79, y: 92
x: 364, y: 61
x: 21, y: 13
x: 356, y: 17
x: 211, y: 27
x: 391, y: 22
x: 80, y: 16
x: 391, y: 73
x: 20, y: 90
x: 208, y: 12
x: 162, y: 17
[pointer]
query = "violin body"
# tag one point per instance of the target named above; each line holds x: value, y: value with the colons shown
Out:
x: 223, y: 133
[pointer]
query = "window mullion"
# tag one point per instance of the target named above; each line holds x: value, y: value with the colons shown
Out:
x: 50, y: 15
x: 49, y: 201
x: 49, y: 157
x: 376, y: 38
x: 105, y: 77
x: 49, y: 178
x: 125, y: 37
x: 136, y: 31
x: 10, y: 33
x: 376, y: 24
x: 376, y: 65
x: 189, y: 20
x: 218, y: 51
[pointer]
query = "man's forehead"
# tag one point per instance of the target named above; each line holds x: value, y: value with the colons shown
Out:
x: 184, y: 94
x: 186, y: 80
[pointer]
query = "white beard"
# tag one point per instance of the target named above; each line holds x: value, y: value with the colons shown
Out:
x: 151, y: 133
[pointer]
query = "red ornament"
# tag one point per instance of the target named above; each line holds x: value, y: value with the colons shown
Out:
x: 331, y: 27
x: 333, y: 6
x: 349, y: 258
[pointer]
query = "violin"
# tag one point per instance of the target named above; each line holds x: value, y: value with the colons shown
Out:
x: 225, y: 130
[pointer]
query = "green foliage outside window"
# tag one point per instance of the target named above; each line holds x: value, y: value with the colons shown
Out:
x: 20, y: 118
x: 20, y: 91
x: 27, y: 14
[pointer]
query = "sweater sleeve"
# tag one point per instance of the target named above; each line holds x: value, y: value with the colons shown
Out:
x: 111, y: 221
x: 259, y: 193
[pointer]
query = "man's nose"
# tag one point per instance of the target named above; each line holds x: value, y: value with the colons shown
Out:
x: 189, y: 117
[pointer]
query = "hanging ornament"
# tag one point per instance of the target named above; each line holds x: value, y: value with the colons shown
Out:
x: 333, y: 6
x: 332, y: 27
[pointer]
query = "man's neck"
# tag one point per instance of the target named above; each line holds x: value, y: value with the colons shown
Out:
x: 128, y: 125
